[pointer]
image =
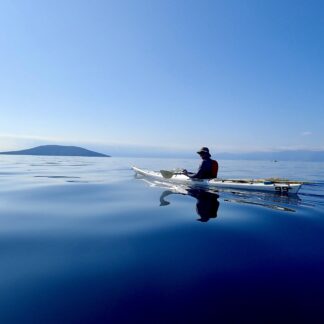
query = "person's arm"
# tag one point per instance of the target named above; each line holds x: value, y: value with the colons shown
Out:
x: 199, y: 173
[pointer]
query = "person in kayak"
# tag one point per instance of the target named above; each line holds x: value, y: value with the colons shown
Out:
x: 208, y: 168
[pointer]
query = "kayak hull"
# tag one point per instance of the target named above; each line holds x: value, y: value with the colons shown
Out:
x: 288, y: 188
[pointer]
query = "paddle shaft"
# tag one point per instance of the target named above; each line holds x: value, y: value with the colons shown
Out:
x: 169, y: 174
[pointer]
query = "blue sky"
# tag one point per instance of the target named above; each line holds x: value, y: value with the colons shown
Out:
x: 232, y: 75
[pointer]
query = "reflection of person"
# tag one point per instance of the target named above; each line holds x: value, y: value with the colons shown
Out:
x: 207, y: 202
x: 208, y: 168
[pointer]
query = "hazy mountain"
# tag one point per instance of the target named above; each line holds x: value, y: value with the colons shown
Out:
x: 57, y: 150
x: 156, y: 152
x: 297, y: 155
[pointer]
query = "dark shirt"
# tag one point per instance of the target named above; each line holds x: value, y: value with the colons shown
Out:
x: 205, y: 170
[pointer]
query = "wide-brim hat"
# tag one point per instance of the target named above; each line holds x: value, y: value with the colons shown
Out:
x: 204, y: 150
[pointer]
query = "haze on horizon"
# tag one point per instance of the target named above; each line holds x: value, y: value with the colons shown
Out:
x: 231, y: 75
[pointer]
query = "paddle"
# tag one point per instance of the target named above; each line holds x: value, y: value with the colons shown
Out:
x: 169, y: 174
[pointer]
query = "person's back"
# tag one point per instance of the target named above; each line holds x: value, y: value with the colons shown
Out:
x: 214, y: 169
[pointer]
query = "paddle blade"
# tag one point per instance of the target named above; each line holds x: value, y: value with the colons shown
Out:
x: 167, y: 174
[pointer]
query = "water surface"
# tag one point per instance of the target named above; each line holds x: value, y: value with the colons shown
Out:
x: 83, y: 240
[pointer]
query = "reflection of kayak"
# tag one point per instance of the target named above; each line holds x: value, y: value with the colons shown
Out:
x: 257, y: 198
x: 268, y: 186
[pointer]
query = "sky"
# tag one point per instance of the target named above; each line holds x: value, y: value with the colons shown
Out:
x: 234, y: 75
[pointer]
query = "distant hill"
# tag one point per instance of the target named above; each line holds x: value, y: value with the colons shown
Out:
x: 297, y: 155
x: 57, y: 150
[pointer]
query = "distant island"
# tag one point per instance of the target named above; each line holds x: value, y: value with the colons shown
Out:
x: 57, y: 150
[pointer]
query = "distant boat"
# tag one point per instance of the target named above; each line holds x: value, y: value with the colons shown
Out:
x: 275, y: 160
x: 57, y: 150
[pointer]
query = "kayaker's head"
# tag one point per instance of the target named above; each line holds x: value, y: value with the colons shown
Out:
x: 204, y: 153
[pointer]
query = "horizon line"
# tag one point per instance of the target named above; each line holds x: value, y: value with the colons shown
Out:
x: 20, y: 142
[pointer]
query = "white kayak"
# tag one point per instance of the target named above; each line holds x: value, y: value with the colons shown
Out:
x: 255, y: 185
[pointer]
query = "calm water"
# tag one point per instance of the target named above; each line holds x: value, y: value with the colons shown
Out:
x: 82, y: 240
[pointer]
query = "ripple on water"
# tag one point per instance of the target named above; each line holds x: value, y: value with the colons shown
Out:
x: 56, y: 177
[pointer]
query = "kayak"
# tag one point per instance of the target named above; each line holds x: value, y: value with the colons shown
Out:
x: 238, y: 184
